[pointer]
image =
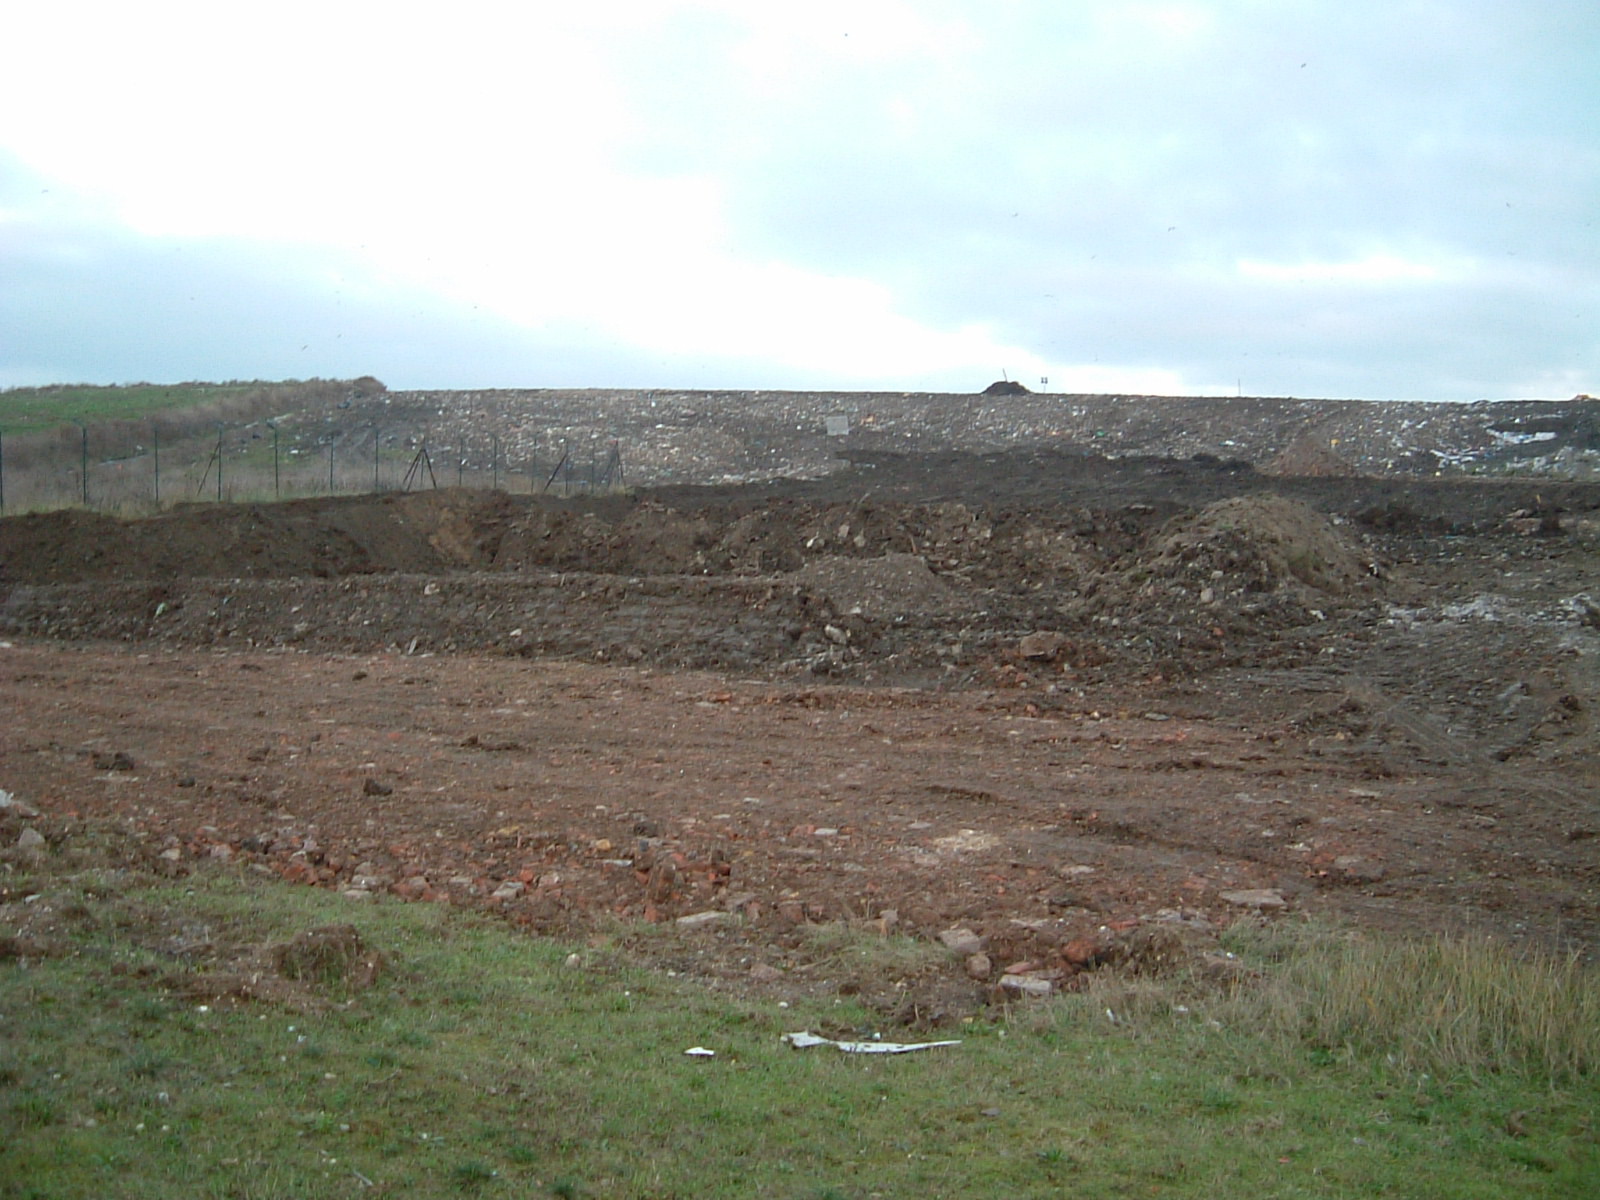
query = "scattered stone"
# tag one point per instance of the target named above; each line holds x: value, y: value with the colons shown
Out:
x: 963, y: 941
x: 414, y: 887
x: 765, y: 973
x: 356, y: 893
x: 374, y: 787
x: 509, y: 890
x: 172, y: 853
x: 10, y: 805
x: 1043, y: 645
x: 1084, y: 952
x: 1256, y: 898
x: 30, y: 839
x: 186, y: 781
x: 979, y: 967
x: 119, y: 761
x: 1026, y: 985
x: 701, y: 919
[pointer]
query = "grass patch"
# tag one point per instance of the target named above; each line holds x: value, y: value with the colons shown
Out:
x: 479, y: 1063
x: 30, y: 408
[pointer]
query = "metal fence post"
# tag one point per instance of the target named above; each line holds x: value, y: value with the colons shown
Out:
x: 83, y: 463
x: 277, y: 491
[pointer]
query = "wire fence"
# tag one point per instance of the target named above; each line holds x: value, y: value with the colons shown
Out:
x: 128, y: 467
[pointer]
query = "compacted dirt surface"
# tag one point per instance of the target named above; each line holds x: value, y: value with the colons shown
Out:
x: 1054, y: 710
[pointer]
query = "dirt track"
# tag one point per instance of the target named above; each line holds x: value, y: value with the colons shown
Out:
x: 1055, y: 699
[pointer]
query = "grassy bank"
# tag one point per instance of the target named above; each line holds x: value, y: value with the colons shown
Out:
x: 173, y: 1037
x: 37, y: 408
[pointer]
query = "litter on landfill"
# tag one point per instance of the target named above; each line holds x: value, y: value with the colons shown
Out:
x: 804, y: 1041
x: 700, y: 1052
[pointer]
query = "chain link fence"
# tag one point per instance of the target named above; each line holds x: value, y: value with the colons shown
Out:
x: 130, y: 467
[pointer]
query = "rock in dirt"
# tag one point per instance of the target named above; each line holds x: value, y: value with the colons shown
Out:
x: 30, y: 839
x: 979, y: 966
x: 1026, y: 985
x: 413, y: 887
x: 373, y: 787
x: 1256, y: 898
x: 121, y: 760
x: 700, y: 920
x: 1043, y: 645
x: 962, y: 940
x: 11, y: 806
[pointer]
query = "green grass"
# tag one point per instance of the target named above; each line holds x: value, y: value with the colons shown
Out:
x: 33, y: 408
x: 481, y: 1064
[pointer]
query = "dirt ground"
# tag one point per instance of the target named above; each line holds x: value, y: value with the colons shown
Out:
x: 1064, y: 703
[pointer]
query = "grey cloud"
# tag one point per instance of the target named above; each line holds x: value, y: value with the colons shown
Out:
x: 1093, y: 202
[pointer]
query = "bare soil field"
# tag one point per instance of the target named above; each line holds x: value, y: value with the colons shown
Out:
x: 1079, y: 708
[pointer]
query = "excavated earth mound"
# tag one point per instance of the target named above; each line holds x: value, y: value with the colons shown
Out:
x: 1050, y: 701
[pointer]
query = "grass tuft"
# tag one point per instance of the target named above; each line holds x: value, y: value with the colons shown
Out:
x: 1445, y: 1005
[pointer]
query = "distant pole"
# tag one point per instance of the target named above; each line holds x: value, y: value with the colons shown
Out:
x: 155, y: 447
x: 277, y: 491
x: 377, y: 441
x: 83, y: 464
x: 2, y: 474
x: 461, y: 467
x: 330, y: 466
x: 219, y: 462
x: 494, y: 459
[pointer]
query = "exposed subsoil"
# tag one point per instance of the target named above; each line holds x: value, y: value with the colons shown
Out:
x: 1056, y: 700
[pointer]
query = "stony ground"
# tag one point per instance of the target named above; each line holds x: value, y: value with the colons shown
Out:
x: 1055, y: 708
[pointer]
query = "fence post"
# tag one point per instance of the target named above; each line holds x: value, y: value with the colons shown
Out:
x: 377, y: 441
x: 277, y: 491
x: 494, y: 459
x: 219, y: 462
x: 155, y: 447
x: 330, y: 464
x: 83, y: 463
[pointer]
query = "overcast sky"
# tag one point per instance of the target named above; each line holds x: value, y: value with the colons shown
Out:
x: 1388, y: 199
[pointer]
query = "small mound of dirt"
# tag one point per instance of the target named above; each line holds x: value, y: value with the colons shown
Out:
x: 1263, y: 543
x: 1310, y: 458
x: 892, y: 586
x: 332, y: 955
x: 1005, y: 387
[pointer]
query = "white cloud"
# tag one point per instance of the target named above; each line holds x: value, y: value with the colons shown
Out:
x: 864, y: 190
x: 1373, y: 269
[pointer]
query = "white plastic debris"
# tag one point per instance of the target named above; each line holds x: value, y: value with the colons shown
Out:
x: 700, y: 1052
x: 804, y: 1041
